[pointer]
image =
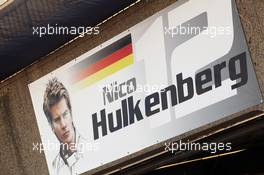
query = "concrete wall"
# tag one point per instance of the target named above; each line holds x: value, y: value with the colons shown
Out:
x: 18, y: 126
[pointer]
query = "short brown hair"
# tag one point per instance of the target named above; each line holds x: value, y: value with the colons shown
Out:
x: 55, y: 91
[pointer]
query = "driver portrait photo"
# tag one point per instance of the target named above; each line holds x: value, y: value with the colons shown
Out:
x: 58, y: 111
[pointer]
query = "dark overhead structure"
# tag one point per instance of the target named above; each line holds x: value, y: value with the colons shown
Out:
x: 19, y: 47
x: 245, y: 134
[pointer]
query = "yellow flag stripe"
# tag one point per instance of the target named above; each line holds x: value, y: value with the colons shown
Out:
x: 109, y: 70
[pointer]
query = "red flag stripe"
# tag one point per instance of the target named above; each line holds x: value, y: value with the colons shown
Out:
x: 108, y: 60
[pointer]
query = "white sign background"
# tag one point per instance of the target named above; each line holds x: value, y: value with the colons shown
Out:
x: 151, y: 67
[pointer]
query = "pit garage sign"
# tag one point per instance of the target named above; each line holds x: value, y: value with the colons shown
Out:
x: 182, y: 68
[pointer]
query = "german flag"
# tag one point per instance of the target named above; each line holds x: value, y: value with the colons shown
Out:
x: 106, y: 62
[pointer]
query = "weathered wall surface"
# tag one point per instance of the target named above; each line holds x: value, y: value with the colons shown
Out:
x: 18, y: 126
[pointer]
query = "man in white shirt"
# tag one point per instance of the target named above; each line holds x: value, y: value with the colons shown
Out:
x: 58, y: 110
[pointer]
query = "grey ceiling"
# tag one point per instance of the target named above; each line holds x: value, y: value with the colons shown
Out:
x: 19, y: 47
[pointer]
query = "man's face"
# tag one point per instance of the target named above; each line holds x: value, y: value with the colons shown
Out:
x: 62, y: 122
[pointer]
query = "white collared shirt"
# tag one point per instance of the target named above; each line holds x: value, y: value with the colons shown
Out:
x: 72, y: 163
